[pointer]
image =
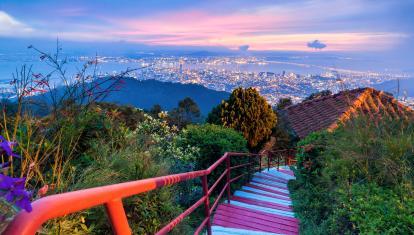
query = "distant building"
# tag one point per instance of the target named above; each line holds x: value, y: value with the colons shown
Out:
x: 326, y: 113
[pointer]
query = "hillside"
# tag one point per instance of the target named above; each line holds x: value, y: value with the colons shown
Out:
x: 145, y: 94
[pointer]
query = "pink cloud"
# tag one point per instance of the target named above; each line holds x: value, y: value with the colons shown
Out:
x: 262, y: 30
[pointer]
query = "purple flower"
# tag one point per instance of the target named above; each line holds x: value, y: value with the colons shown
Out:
x: 7, y: 147
x: 12, y: 189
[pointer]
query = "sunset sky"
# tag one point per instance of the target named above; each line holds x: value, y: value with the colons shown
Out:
x: 343, y: 25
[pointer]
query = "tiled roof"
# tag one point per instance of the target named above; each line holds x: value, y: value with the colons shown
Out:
x: 328, y: 111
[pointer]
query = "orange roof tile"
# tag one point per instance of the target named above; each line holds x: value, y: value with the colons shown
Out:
x: 328, y: 111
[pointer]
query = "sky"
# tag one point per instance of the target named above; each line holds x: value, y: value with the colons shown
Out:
x: 256, y: 25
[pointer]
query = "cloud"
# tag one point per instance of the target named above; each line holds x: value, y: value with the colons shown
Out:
x: 316, y: 44
x: 12, y: 27
x: 262, y: 27
x: 244, y: 47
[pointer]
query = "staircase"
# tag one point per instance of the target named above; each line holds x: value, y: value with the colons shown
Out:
x: 262, y: 206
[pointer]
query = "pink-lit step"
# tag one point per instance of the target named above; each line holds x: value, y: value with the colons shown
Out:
x: 242, y: 218
x: 262, y: 203
x: 262, y: 206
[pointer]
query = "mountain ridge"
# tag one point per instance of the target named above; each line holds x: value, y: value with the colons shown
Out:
x: 146, y: 93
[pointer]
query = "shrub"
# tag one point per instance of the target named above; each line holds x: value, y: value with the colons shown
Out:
x: 187, y: 112
x: 358, y: 179
x: 213, y: 141
x: 146, y: 152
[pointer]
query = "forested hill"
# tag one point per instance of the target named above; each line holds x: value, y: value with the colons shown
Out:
x: 145, y: 94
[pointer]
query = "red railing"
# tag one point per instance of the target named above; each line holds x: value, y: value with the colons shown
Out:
x: 282, y: 157
x: 111, y: 197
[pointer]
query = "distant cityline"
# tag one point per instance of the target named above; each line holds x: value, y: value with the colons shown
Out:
x: 275, y: 79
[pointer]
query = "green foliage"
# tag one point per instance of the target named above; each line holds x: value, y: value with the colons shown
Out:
x: 148, y: 151
x: 212, y: 141
x: 95, y: 148
x: 187, y: 112
x: 214, y: 117
x: 284, y: 136
x: 358, y: 179
x: 378, y: 210
x: 128, y: 115
x: 318, y: 95
x: 248, y: 112
x: 283, y: 103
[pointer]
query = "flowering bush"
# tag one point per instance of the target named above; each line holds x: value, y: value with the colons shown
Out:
x: 164, y: 140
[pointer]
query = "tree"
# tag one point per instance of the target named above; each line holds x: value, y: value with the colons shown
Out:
x: 155, y: 110
x: 248, y: 112
x: 283, y: 103
x: 214, y: 117
x: 187, y: 112
x: 319, y: 94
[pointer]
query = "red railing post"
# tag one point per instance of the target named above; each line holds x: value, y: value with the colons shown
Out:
x: 228, y: 178
x: 116, y: 214
x: 206, y: 204
x: 278, y: 161
x: 249, y: 167
x: 260, y: 163
x: 269, y: 156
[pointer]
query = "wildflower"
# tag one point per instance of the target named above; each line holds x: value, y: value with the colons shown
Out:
x: 42, y: 82
x: 12, y: 189
x: 37, y: 75
x: 43, y: 190
x: 32, y: 165
x: 7, y: 147
x: 40, y: 90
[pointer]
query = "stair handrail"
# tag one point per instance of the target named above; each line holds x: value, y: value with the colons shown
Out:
x: 286, y: 155
x: 111, y: 196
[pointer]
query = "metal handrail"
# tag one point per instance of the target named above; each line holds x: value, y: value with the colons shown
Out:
x: 111, y: 196
x: 287, y: 155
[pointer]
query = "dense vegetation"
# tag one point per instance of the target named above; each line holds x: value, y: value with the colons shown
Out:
x: 357, y: 180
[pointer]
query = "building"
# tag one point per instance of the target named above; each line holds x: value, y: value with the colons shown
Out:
x: 327, y: 112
